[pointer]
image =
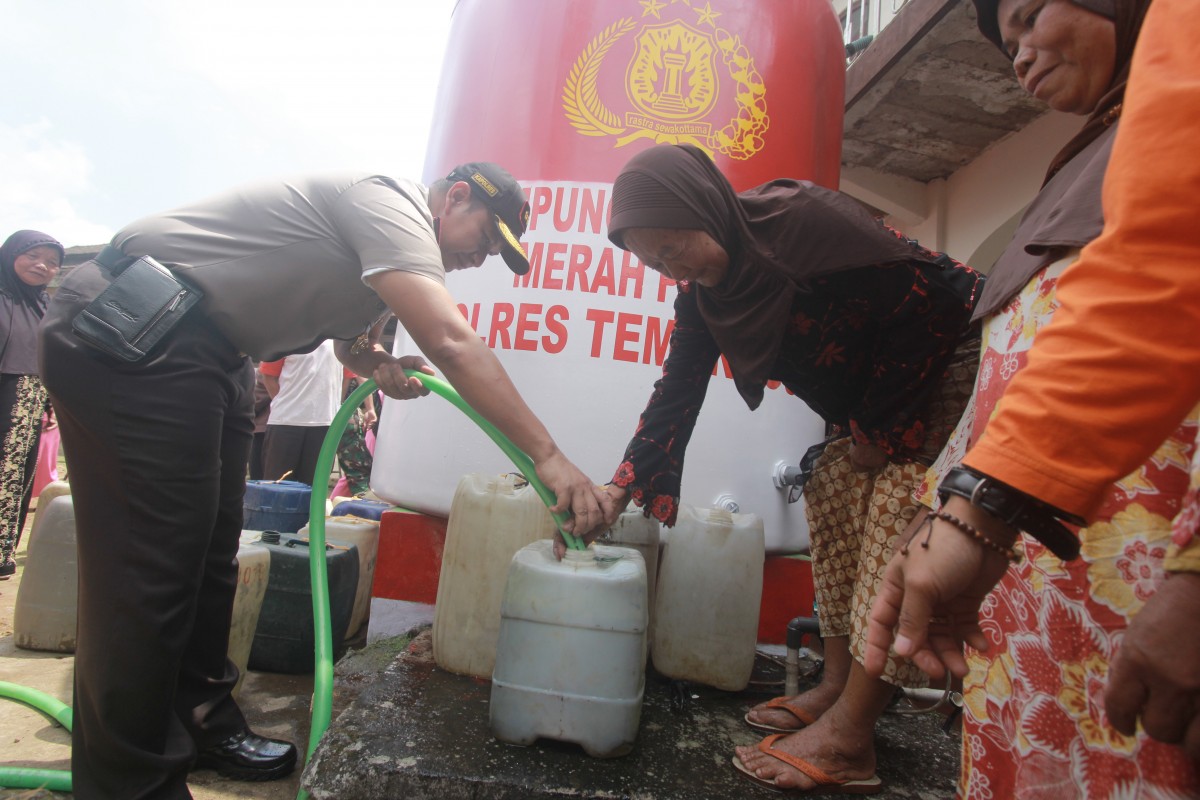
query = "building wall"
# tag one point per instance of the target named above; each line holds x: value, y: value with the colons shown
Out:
x: 972, y: 214
x: 877, y: 15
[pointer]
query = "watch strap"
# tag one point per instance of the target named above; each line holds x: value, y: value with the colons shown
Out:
x: 1040, y: 520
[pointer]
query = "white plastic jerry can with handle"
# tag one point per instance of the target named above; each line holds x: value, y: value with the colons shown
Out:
x: 491, y: 518
x: 45, y: 613
x: 571, y: 654
x: 254, y: 571
x: 644, y: 534
x: 363, y: 534
x: 707, y: 598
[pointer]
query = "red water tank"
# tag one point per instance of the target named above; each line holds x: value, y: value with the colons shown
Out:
x: 562, y: 94
x: 555, y: 89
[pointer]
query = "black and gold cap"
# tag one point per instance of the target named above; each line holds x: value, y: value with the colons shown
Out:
x: 500, y: 192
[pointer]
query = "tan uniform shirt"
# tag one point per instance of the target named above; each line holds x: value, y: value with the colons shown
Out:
x: 282, y: 263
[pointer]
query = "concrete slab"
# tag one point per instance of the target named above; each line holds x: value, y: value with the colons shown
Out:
x: 403, y: 728
x: 390, y: 618
x: 418, y: 732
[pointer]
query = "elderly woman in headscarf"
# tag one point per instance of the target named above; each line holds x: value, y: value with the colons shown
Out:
x: 28, y: 261
x: 795, y: 283
x: 1034, y: 721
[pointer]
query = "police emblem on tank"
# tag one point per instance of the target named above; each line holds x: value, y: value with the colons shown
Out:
x: 682, y: 63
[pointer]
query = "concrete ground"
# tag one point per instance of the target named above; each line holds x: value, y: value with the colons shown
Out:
x: 276, y: 705
x: 403, y: 728
x: 421, y: 733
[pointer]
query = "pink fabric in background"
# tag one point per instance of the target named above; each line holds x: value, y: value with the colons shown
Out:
x: 47, y: 460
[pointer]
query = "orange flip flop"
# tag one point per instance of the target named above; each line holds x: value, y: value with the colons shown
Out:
x: 805, y: 717
x: 826, y: 783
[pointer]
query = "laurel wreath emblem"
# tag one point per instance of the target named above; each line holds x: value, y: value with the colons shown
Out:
x: 580, y: 98
x: 740, y: 139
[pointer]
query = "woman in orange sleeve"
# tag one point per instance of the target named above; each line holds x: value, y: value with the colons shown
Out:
x: 1106, y: 383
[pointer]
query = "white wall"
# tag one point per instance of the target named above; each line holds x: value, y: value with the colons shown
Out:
x: 957, y: 215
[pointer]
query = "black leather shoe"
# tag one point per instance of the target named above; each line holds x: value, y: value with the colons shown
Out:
x: 247, y: 756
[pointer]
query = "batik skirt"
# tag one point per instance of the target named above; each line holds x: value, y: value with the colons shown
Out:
x: 856, y: 516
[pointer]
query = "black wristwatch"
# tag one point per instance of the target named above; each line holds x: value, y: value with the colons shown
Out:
x: 1040, y: 520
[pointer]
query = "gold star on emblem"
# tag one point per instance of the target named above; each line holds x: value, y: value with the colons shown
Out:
x: 685, y: 2
x: 652, y: 7
x: 707, y: 15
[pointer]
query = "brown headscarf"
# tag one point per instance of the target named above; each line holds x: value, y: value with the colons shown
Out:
x: 778, y: 236
x: 1127, y: 16
x: 1067, y: 212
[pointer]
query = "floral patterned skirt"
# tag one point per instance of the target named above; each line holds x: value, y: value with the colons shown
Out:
x: 856, y: 517
x: 1034, y: 724
x: 23, y: 400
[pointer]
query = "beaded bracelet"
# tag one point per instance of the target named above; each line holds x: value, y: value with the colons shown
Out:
x: 1012, y: 554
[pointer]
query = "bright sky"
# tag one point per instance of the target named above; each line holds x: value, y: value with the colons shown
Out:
x: 117, y: 108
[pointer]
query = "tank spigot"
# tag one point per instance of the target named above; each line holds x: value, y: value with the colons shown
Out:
x: 785, y: 475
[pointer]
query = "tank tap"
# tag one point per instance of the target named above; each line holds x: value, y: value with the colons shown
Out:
x: 785, y: 475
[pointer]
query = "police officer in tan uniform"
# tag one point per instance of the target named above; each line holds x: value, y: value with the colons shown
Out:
x: 158, y: 446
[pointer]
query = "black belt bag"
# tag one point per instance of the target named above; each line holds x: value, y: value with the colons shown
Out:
x: 140, y: 307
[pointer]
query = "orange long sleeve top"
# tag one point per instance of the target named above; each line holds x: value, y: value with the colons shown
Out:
x: 1118, y: 368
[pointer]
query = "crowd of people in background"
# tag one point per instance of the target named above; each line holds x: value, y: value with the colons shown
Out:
x: 296, y: 399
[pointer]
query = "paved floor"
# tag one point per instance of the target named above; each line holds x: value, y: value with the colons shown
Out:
x: 410, y: 730
x: 421, y: 733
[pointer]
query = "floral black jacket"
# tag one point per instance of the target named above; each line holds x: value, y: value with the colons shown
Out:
x: 864, y: 348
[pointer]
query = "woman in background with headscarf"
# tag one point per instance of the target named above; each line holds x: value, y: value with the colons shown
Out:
x: 1034, y: 721
x: 796, y: 283
x: 28, y: 261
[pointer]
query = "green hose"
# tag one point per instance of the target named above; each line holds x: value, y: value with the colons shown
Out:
x: 49, y: 705
x: 322, y: 704
x: 523, y: 463
x: 56, y: 780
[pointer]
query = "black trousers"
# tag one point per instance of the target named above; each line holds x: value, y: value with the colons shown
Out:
x: 256, y: 456
x: 158, y: 456
x: 292, y: 450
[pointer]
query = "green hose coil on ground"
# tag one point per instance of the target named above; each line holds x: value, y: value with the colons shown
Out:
x: 56, y: 780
